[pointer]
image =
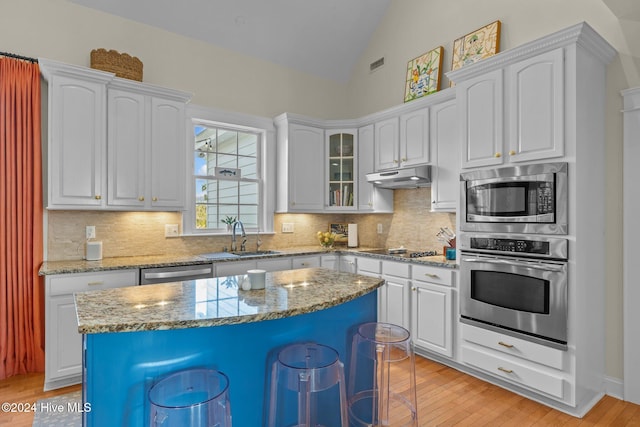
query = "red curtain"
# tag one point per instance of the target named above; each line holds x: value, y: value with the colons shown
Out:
x: 21, y: 291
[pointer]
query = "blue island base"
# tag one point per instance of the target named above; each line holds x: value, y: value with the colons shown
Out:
x: 121, y: 367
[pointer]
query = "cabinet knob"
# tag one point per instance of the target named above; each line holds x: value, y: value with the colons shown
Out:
x: 98, y: 197
x: 404, y: 159
x: 155, y: 199
x: 497, y: 155
x: 512, y: 153
x: 141, y: 198
x: 395, y: 161
x: 413, y: 289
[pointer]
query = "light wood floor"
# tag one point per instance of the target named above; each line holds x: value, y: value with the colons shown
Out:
x: 446, y: 398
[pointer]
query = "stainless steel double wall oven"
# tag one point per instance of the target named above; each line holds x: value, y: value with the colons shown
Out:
x: 513, y: 263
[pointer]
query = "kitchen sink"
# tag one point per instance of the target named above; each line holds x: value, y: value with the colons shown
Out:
x: 236, y: 254
x: 254, y: 253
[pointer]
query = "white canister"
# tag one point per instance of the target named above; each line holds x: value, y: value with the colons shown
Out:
x: 352, y: 240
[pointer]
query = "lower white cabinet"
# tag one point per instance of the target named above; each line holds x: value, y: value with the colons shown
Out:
x: 348, y: 263
x: 530, y: 365
x: 63, y: 343
x: 306, y: 261
x: 394, y: 295
x: 235, y: 268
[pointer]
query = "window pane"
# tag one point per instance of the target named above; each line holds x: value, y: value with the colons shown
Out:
x: 227, y: 161
x: 249, y: 167
x: 248, y: 144
x: 249, y: 193
x: 249, y: 216
x: 227, y: 141
x: 228, y: 192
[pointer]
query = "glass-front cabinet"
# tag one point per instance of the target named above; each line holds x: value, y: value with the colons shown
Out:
x: 342, y: 174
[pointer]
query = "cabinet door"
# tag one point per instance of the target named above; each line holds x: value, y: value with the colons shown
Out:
x: 387, y: 144
x: 370, y: 198
x: 233, y: 268
x: 394, y: 302
x: 414, y: 138
x: 480, y: 108
x: 341, y: 152
x: 330, y: 261
x: 77, y: 142
x: 431, y: 318
x: 276, y: 264
x: 167, y: 151
x: 65, y: 357
x: 306, y: 261
x: 348, y: 264
x: 445, y: 148
x: 536, y: 107
x: 306, y: 165
x: 126, y: 148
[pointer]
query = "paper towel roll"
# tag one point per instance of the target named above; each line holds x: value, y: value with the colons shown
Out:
x: 352, y: 241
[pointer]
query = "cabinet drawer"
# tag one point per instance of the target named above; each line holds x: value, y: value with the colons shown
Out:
x: 369, y: 265
x: 63, y: 284
x: 426, y: 273
x: 509, y: 369
x: 514, y: 346
x: 397, y: 269
x: 306, y: 261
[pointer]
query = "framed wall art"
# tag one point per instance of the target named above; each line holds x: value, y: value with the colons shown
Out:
x: 341, y: 231
x: 423, y: 75
x: 477, y: 45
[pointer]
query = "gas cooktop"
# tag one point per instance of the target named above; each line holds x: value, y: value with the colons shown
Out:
x: 401, y: 253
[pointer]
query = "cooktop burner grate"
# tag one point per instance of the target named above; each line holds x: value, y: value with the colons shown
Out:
x: 421, y: 254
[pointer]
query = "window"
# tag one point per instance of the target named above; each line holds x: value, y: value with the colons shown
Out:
x: 227, y: 177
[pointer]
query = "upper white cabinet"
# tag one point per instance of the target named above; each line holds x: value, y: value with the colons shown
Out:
x: 341, y: 154
x: 445, y: 156
x: 524, y: 101
x: 402, y: 141
x: 535, y: 89
x: 145, y: 146
x: 76, y: 122
x: 140, y: 127
x: 301, y: 166
x: 370, y: 198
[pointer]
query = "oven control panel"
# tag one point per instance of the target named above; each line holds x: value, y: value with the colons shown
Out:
x: 538, y: 247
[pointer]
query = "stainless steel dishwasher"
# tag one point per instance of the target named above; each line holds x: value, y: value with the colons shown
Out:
x: 177, y: 273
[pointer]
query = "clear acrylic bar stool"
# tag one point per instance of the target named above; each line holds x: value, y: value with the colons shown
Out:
x: 308, y: 388
x: 195, y: 397
x: 382, y: 382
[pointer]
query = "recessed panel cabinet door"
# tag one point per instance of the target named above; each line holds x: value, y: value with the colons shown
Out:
x: 481, y: 119
x: 431, y: 318
x: 307, y: 166
x: 77, y: 142
x: 167, y: 153
x: 126, y: 148
x: 536, y: 107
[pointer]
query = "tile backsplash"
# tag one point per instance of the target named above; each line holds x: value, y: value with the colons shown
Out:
x: 142, y: 233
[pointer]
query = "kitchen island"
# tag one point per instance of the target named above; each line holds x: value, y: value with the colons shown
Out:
x: 135, y: 336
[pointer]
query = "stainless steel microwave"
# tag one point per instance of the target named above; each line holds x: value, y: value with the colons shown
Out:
x: 519, y: 199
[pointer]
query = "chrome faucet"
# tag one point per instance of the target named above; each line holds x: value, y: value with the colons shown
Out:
x: 233, y: 237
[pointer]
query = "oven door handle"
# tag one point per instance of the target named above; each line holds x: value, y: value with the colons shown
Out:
x: 544, y: 267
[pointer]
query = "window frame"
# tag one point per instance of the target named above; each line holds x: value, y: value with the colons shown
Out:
x: 265, y: 166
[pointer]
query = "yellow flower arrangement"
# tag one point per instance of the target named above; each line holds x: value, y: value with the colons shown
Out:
x: 326, y: 238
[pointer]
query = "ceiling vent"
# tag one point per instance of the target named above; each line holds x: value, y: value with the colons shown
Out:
x: 376, y: 64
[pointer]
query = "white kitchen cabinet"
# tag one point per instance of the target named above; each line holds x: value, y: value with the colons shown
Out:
x: 402, y: 141
x: 480, y: 108
x: 532, y: 115
x: 348, y: 264
x: 301, y: 166
x: 370, y: 197
x: 414, y: 138
x: 517, y: 361
x: 76, y: 151
x: 341, y: 154
x: 145, y: 146
x: 306, y: 261
x: 445, y: 156
x: 330, y: 261
x: 275, y: 264
x: 387, y: 144
x: 394, y: 296
x: 535, y: 105
x: 432, y: 309
x: 63, y: 343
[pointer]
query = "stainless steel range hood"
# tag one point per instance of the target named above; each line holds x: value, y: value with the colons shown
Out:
x: 413, y: 177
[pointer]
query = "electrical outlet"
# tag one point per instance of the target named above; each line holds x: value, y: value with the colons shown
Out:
x: 171, y: 230
x: 90, y: 232
x: 287, y: 227
x: 379, y: 228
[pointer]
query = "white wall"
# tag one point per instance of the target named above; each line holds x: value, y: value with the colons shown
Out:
x: 63, y: 31
x: 413, y: 27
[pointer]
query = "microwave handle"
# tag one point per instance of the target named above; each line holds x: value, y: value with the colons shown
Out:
x: 545, y: 267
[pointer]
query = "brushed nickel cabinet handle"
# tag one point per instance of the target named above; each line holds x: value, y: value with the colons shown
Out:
x: 505, y: 370
x: 432, y: 275
x: 95, y: 283
x: 505, y: 344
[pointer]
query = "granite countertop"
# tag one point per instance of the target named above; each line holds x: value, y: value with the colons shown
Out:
x: 148, y: 261
x: 217, y: 302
